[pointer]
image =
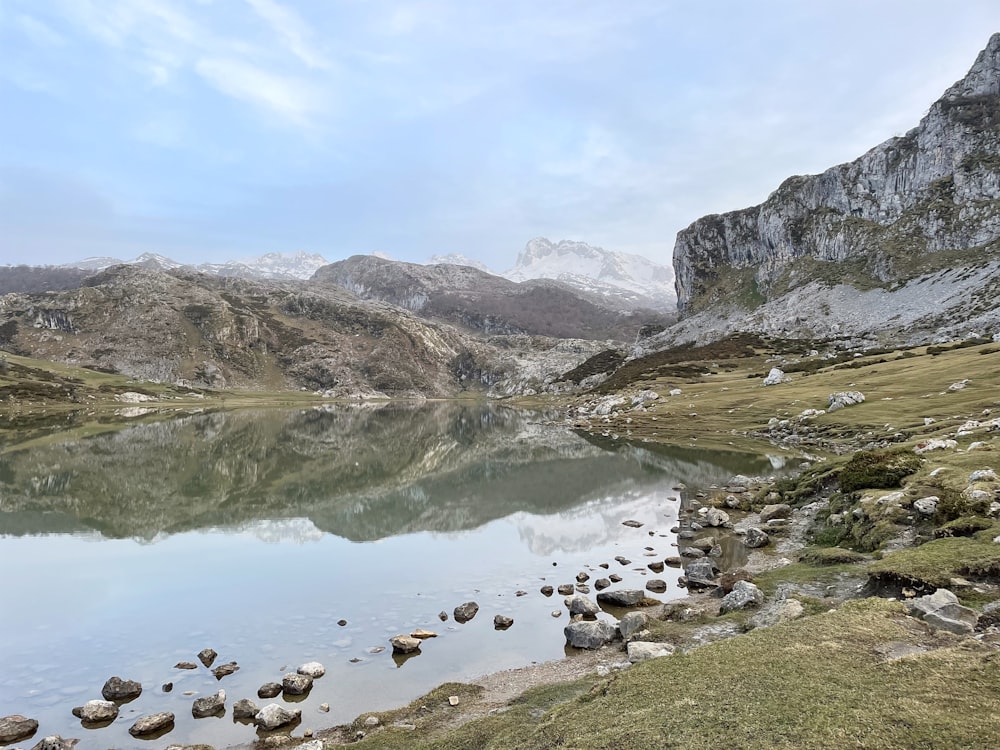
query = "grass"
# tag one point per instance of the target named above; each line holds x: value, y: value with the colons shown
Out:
x: 937, y: 562
x: 817, y: 682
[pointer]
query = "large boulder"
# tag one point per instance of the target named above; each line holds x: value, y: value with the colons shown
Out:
x: 755, y: 537
x: 117, y: 689
x: 273, y: 716
x: 632, y: 623
x: 841, y: 399
x: 743, y: 596
x: 589, y: 633
x: 582, y: 605
x: 15, y: 728
x: 942, y: 610
x: 775, y: 377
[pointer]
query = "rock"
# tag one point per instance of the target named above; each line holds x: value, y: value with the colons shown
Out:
x: 502, y: 622
x: 702, y: 569
x: 755, y: 538
x: 622, y: 560
x: 656, y: 567
x: 324, y: 707
x: 15, y: 728
x: 152, y: 724
x: 674, y: 561
x: 582, y: 577
x: 960, y: 385
x: 95, y: 712
x: 166, y: 687
x: 314, y: 669
x: 602, y: 583
x: 704, y: 544
x: 926, y: 506
x: 209, y: 705
x: 633, y: 524
x: 743, y: 595
x: 781, y: 611
x: 453, y: 700
x: 224, y: 670
x: 581, y: 605
x: 716, y: 517
x: 423, y: 634
x: 245, y: 709
x: 729, y: 579
x: 621, y: 597
x: 465, y: 612
x: 372, y: 721
x: 556, y: 613
x: 207, y: 656
x: 632, y: 623
x: 185, y: 665
x: 983, y: 475
x: 615, y: 578
x: 273, y: 716
x: 547, y: 590
x: 404, y: 644
x: 844, y: 398
x: 644, y: 651
x: 656, y: 585
x: 935, y: 444
x: 776, y: 510
x: 589, y: 633
x: 775, y: 377
x: 692, y: 552
x: 565, y: 589
x: 55, y: 742
x: 296, y: 684
x: 117, y: 689
x: 942, y: 610
x: 443, y: 616
x: 269, y: 690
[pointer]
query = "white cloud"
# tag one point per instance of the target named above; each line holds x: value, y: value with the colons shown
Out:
x: 38, y: 32
x: 290, y: 98
x: 292, y: 30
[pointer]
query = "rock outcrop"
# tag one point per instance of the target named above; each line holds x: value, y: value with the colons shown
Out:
x: 914, y: 206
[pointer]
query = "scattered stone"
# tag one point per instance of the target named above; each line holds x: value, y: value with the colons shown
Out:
x: 520, y: 593
x: 443, y: 616
x: 935, y: 444
x: 704, y: 544
x: 942, y: 610
x: 342, y: 623
x: 565, y: 589
x: 152, y: 724
x: 621, y: 597
x: 644, y: 651
x: 372, y: 721
x: 674, y: 561
x: 247, y: 709
x: 582, y: 577
x: 743, y: 595
x: 983, y: 475
x: 55, y: 742
x: 296, y: 684
x: 166, y: 687
x: 556, y: 613
x: 755, y: 538
x: 776, y: 510
x: 622, y: 560
x: 633, y: 524
x: 324, y: 707
x: 716, y: 517
x: 775, y: 377
x: 404, y: 644
x: 547, y: 590
x: 656, y: 567
x: 209, y: 705
x: 465, y: 612
x: 117, y: 689
x: 273, y: 716
x: 269, y: 690
x: 692, y: 552
x: 701, y: 570
x: 959, y: 385
x: 842, y: 399
x: 782, y: 610
x: 502, y: 622
x: 423, y: 634
x: 207, y: 656
x: 926, y: 506
x: 589, y: 633
x: 632, y: 623
x: 656, y: 585
x: 15, y: 728
x: 96, y: 712
x: 452, y: 700
x: 313, y: 668
x: 615, y: 578
x: 224, y: 670
x: 185, y: 665
x: 602, y: 583
x: 581, y: 605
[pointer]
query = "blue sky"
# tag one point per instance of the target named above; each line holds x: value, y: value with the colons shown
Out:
x: 215, y: 129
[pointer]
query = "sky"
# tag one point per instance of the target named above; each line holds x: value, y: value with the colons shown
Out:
x: 210, y: 130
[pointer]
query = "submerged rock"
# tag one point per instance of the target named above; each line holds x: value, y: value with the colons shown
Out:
x: 224, y: 670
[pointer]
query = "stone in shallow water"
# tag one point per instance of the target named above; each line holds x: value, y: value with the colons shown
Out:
x: 621, y: 597
x: 404, y: 644
x: 185, y: 665
x: 656, y: 585
x: 152, y: 724
x: 502, y: 622
x: 547, y: 590
x: 207, y: 656
x: 245, y: 709
x: 423, y: 634
x: 269, y: 690
x: 296, y: 684
x: 96, y: 712
x: 465, y: 612
x: 117, y: 689
x: 755, y: 538
x: 224, y: 670
x: 589, y: 634
x: 273, y: 716
x: 55, y: 742
x: 313, y: 669
x: 209, y: 705
x: 15, y: 728
x: 743, y: 595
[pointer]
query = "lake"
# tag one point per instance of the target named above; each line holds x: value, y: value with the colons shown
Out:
x: 257, y: 533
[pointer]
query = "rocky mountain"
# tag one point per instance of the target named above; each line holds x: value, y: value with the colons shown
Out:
x: 903, y: 240
x: 198, y: 330
x: 269, y: 266
x: 596, y: 271
x: 481, y: 302
x: 457, y: 259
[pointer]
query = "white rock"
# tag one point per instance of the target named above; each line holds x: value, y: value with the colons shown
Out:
x: 644, y: 651
x: 675, y: 392
x: 926, y: 506
x: 775, y: 377
x: 983, y: 475
x: 841, y: 399
x: 935, y: 445
x: 959, y: 385
x: 312, y: 669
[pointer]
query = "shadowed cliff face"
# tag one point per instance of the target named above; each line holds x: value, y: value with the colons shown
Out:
x: 361, y: 473
x: 921, y: 202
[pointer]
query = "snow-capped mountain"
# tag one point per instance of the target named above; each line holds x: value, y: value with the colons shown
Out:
x: 595, y: 270
x: 457, y: 259
x: 269, y: 266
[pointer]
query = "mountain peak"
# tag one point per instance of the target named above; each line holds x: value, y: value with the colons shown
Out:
x: 983, y: 78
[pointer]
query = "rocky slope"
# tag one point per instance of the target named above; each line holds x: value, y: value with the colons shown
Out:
x: 193, y: 329
x: 917, y: 212
x: 268, y: 266
x: 482, y: 302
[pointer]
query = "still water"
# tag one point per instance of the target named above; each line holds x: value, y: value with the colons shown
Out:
x: 257, y: 533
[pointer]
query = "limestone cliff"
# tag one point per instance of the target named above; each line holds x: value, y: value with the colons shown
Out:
x: 913, y: 205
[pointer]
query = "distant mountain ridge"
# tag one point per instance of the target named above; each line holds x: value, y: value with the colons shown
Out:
x: 269, y: 266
